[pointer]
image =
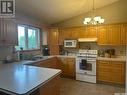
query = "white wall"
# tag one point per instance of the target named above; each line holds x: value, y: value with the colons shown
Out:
x: 114, y: 13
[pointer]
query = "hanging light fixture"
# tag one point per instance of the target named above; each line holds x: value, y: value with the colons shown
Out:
x: 93, y: 20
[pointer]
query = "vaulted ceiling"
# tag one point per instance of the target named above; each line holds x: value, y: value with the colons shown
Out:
x: 53, y: 11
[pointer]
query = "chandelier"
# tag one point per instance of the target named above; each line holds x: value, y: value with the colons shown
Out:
x: 94, y: 20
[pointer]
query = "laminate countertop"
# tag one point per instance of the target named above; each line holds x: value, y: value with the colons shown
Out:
x: 19, y: 79
x: 120, y: 58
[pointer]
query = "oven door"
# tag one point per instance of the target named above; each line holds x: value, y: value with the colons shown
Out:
x: 85, y: 66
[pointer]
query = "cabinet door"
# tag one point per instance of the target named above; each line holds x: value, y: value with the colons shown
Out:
x: 12, y: 33
x: 103, y: 71
x: 2, y: 29
x: 8, y: 32
x: 102, y: 35
x: 91, y: 31
x: 114, y: 34
x: 49, y: 63
x: 117, y: 72
x: 78, y: 32
x: 64, y: 66
x: 61, y: 36
x: 71, y: 67
x: 111, y: 71
x: 53, y: 36
x: 64, y: 33
x: 111, y: 35
x: 124, y: 34
x: 51, y: 87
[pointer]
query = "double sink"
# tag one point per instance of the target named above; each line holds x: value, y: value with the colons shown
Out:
x: 33, y: 59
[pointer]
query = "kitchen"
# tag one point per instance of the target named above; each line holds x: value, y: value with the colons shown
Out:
x: 81, y: 56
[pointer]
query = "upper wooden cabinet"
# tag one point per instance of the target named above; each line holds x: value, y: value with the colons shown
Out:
x: 64, y: 33
x: 123, y: 34
x: 90, y: 32
x: 112, y: 34
x: 8, y: 32
x: 53, y: 36
x: 77, y: 32
x: 53, y: 41
x: 102, y: 35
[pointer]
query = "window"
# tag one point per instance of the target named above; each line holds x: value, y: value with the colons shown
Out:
x: 28, y: 38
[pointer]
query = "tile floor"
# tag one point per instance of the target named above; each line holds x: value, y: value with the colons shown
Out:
x: 73, y: 87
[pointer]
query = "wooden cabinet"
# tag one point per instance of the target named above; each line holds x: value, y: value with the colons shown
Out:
x: 64, y: 33
x: 52, y: 87
x: 67, y: 66
x: 8, y: 32
x: 102, y: 35
x: 77, y: 32
x: 53, y: 41
x: 111, y: 72
x: 53, y: 36
x: 91, y: 31
x: 112, y: 34
x: 123, y: 34
x: 49, y: 63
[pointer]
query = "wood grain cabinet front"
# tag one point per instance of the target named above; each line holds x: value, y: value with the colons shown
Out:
x: 48, y: 63
x: 8, y: 32
x: 52, y: 87
x: 67, y: 66
x: 115, y: 34
x: 111, y: 72
x: 53, y: 41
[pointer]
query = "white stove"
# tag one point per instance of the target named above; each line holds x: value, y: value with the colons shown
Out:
x: 86, y: 65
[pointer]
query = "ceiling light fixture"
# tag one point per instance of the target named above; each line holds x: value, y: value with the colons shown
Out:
x: 93, y: 20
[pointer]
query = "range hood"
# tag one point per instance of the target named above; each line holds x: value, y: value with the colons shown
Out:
x: 87, y: 40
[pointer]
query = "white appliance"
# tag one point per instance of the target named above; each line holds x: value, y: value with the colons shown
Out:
x: 70, y: 43
x: 86, y: 65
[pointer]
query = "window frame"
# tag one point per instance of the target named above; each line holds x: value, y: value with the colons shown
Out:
x: 38, y: 38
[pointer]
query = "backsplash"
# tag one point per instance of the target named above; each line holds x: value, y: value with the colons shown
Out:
x: 120, y: 50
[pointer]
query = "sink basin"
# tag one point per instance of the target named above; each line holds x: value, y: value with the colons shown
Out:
x: 38, y: 58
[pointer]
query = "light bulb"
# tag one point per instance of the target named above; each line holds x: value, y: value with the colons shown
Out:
x: 84, y: 22
x: 87, y: 19
x: 101, y: 20
x: 97, y: 18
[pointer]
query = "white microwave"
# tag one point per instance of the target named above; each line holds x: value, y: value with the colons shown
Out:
x: 70, y: 43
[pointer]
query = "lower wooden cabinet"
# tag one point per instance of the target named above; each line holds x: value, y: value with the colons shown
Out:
x: 52, y: 87
x: 67, y: 65
x: 49, y: 63
x: 111, y: 72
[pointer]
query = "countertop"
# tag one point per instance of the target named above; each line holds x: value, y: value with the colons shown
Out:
x: 119, y: 58
x: 68, y: 56
x: 19, y: 79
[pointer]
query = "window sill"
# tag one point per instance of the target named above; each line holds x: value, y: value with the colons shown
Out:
x: 28, y: 50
